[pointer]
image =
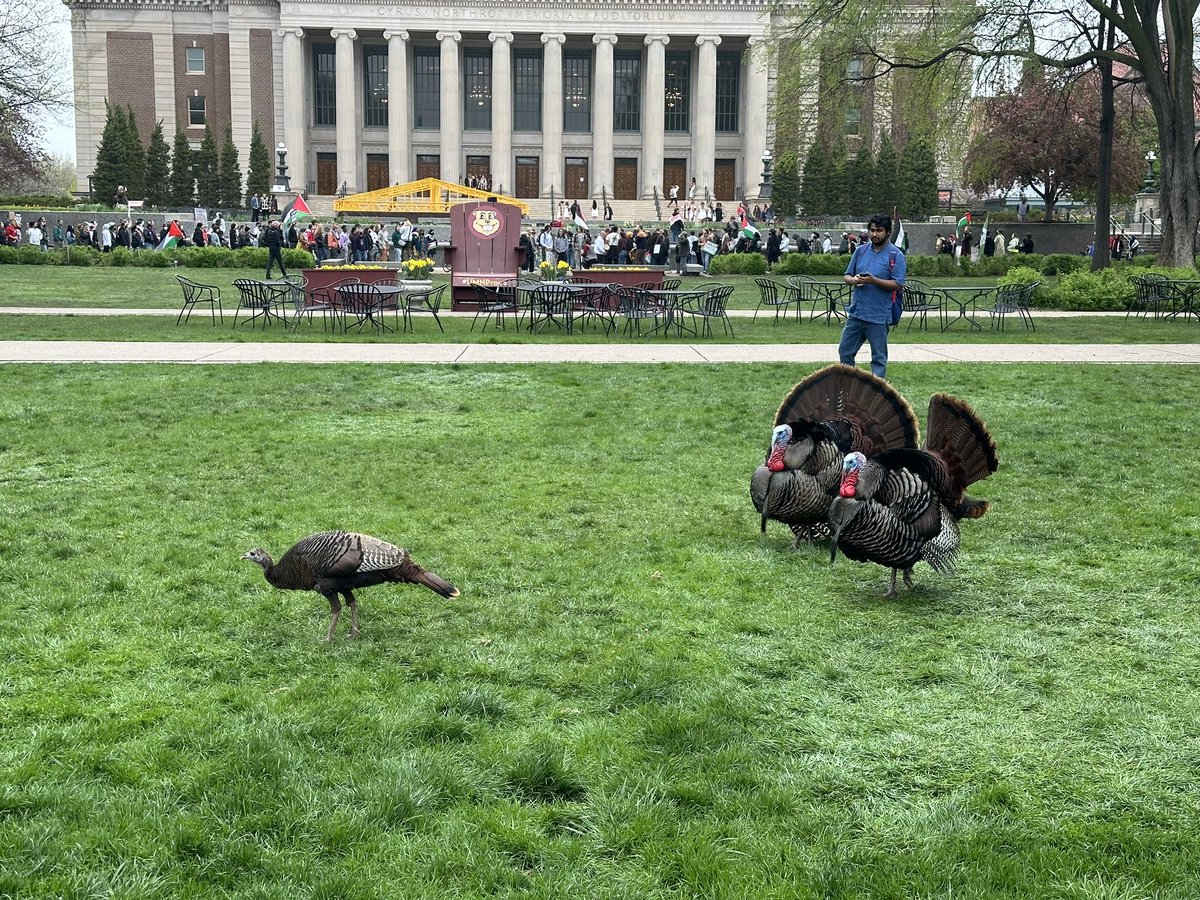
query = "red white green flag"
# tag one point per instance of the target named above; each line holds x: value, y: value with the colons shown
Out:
x: 963, y: 223
x: 172, y: 238
x: 295, y: 211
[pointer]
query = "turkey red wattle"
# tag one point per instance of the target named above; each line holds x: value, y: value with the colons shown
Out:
x: 849, y: 484
x: 780, y: 436
x: 851, y: 468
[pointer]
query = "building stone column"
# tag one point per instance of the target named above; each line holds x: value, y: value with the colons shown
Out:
x: 756, y: 115
x: 503, y: 175
x: 704, y: 123
x: 603, y: 166
x: 399, y: 145
x: 240, y: 84
x: 164, y: 85
x: 654, y: 115
x: 452, y: 107
x: 294, y: 106
x: 552, y: 114
x: 348, y: 128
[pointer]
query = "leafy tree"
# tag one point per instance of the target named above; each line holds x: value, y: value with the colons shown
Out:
x: 230, y: 173
x: 109, y: 169
x: 1151, y: 43
x: 862, y: 182
x: 258, y: 179
x: 814, y: 185
x: 208, y: 181
x: 785, y: 194
x: 1042, y: 136
x: 34, y: 83
x: 158, y: 169
x: 183, y: 171
x: 133, y: 158
x: 917, y: 180
x: 884, y: 190
x: 54, y: 178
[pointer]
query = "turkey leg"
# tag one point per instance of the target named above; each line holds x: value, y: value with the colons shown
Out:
x: 353, y: 604
x: 336, y: 606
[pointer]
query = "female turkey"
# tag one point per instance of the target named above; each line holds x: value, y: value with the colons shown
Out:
x: 830, y: 413
x: 903, y: 506
x: 337, y: 562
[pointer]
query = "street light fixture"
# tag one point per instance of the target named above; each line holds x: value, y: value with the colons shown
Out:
x: 1151, y: 156
x: 282, y: 183
x: 764, y: 189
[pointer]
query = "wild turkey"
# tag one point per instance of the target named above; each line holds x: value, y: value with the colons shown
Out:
x: 338, y: 562
x: 903, y: 506
x: 830, y: 413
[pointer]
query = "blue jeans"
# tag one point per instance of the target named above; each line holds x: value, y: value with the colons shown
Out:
x: 855, y: 334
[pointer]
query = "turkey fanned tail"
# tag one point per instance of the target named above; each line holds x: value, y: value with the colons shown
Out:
x: 831, y: 412
x: 904, y: 505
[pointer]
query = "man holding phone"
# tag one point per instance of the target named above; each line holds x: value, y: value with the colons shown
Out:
x: 876, y: 273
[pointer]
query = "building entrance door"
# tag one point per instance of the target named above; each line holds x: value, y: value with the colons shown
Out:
x: 528, y: 177
x: 675, y: 173
x: 429, y: 165
x: 723, y: 177
x: 327, y: 182
x: 625, y: 178
x: 478, y: 167
x: 377, y: 171
x: 576, y: 187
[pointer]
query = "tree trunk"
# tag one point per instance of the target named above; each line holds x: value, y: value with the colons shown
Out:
x: 1100, y: 247
x: 1172, y: 96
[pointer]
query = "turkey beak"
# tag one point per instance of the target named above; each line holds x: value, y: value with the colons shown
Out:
x: 249, y: 554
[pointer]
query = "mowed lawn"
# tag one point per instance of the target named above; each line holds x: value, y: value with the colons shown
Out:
x: 637, y: 695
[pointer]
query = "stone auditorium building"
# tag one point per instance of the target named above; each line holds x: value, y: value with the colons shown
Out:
x: 585, y: 98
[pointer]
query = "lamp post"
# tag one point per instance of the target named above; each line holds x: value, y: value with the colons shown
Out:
x: 282, y: 184
x: 764, y: 189
x: 1150, y: 185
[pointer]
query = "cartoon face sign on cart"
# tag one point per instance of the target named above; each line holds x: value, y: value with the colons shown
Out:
x: 485, y: 236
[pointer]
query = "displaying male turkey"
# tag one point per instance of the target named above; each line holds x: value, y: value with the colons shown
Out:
x: 834, y: 411
x: 903, y: 506
x: 338, y: 562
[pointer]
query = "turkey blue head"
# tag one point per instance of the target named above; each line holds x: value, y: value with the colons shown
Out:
x: 779, y: 441
x: 852, y: 467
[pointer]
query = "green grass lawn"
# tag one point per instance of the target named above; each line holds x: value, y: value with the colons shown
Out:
x: 638, y: 695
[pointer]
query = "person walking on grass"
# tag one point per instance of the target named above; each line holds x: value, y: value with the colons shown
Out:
x: 876, y: 272
x: 272, y: 239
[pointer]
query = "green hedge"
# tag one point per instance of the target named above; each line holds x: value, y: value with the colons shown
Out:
x: 188, y: 257
x: 1108, y: 290
x: 738, y: 264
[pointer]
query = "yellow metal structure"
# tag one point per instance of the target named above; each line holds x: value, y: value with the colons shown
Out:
x: 429, y: 195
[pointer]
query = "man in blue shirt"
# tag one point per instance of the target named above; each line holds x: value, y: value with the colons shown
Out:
x: 876, y: 272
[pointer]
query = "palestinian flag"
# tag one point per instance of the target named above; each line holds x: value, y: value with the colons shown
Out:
x: 172, y: 238
x: 963, y: 223
x: 748, y: 230
x: 899, y: 238
x: 294, y: 212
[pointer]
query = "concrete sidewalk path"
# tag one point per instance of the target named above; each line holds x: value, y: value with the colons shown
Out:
x: 648, y: 352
